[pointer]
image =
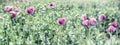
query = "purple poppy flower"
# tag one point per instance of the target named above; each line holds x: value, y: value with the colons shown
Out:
x: 92, y: 21
x: 13, y: 14
x: 8, y: 8
x: 85, y: 23
x: 115, y: 23
x: 22, y: 0
x: 52, y: 4
x: 84, y: 17
x: 61, y: 21
x: 17, y: 9
x: 111, y: 29
x: 102, y: 17
x: 30, y: 10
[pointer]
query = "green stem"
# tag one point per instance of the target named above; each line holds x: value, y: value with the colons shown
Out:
x: 86, y: 32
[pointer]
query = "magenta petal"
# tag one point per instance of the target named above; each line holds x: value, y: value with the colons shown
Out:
x: 61, y: 21
x: 111, y: 29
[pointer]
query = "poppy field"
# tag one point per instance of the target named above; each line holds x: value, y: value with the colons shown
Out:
x: 60, y: 22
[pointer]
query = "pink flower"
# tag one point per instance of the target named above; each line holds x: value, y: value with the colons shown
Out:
x: 102, y: 17
x: 115, y: 23
x: 92, y: 21
x: 17, y: 9
x: 84, y: 17
x: 13, y: 14
x: 8, y: 8
x: 22, y: 0
x: 52, y: 4
x: 30, y: 10
x: 61, y: 21
x: 111, y: 29
x: 85, y: 23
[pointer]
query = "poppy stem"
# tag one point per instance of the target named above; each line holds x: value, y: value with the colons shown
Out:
x: 86, y: 31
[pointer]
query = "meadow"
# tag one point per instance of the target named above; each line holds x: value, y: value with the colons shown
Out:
x: 60, y: 22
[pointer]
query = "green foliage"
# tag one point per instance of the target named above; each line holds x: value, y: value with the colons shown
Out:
x: 41, y: 28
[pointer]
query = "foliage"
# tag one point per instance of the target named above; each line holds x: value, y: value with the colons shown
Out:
x: 41, y: 28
